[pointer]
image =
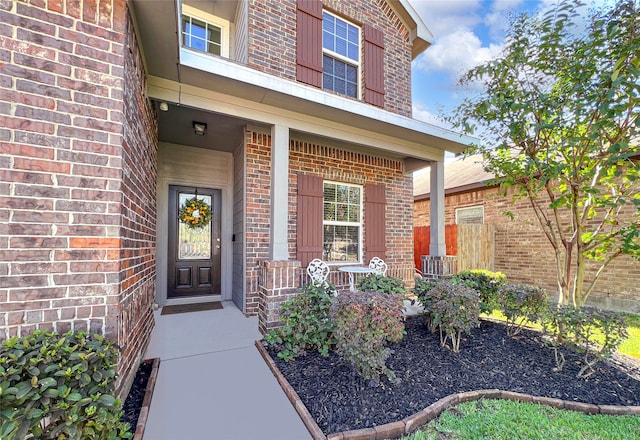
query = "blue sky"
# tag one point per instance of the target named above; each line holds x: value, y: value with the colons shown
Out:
x: 466, y: 33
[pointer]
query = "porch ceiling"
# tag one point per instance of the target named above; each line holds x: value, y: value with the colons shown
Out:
x: 175, y: 126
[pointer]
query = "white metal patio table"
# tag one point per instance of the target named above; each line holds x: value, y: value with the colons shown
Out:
x: 353, y: 272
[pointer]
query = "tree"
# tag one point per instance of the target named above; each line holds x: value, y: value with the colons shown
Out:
x: 558, y: 115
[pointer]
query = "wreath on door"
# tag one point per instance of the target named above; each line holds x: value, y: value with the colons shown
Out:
x: 195, y: 213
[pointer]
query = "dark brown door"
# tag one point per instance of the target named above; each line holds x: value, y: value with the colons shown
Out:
x: 194, y: 253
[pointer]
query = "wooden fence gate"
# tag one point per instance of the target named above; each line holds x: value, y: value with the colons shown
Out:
x: 474, y: 245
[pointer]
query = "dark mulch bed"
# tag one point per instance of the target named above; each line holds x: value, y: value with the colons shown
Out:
x: 339, y: 400
x: 135, y: 398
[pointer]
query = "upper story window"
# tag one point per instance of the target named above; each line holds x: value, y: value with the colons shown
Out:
x: 342, y: 222
x: 340, y: 55
x: 204, y: 32
x: 470, y: 215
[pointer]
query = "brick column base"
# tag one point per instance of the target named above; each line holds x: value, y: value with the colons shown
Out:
x: 279, y: 281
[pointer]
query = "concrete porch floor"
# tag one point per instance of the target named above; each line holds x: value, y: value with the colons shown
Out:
x: 213, y: 383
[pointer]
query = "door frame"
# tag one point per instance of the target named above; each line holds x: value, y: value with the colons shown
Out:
x: 215, y: 241
x: 188, y: 166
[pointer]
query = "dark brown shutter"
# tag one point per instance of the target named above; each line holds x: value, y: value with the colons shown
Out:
x: 310, y: 216
x: 373, y: 66
x: 309, y: 42
x: 374, y: 221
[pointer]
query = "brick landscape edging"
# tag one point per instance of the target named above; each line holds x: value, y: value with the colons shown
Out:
x: 146, y: 403
x: 411, y: 423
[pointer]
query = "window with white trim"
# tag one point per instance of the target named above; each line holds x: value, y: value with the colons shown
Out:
x: 470, y: 215
x: 340, y: 55
x: 342, y: 222
x: 204, y: 32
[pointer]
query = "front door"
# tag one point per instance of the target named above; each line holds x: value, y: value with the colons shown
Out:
x: 194, y: 253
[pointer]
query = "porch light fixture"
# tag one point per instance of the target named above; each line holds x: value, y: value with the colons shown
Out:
x: 200, y: 128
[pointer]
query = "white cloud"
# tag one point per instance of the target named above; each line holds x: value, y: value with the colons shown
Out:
x: 444, y: 16
x: 506, y: 5
x: 456, y: 52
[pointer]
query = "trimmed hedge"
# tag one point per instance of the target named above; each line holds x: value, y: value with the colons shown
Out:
x: 59, y: 387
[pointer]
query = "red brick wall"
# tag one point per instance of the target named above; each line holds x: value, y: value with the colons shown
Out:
x: 77, y: 170
x: 138, y: 222
x: 524, y: 254
x: 257, y: 212
x: 332, y: 164
x: 272, y: 42
x: 358, y: 168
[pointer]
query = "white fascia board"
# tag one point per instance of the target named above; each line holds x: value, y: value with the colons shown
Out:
x: 420, y: 31
x: 269, y: 83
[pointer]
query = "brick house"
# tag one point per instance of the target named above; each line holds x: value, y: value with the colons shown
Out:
x: 521, y: 251
x: 292, y: 120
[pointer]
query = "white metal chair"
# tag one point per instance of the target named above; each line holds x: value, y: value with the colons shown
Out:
x: 378, y: 266
x: 318, y: 271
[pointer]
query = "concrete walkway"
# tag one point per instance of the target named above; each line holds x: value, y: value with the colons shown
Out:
x: 213, y: 383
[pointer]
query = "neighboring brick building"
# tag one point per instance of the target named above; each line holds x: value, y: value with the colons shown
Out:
x: 521, y: 251
x: 291, y: 119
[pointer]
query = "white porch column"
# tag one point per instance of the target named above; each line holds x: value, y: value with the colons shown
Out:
x: 278, y: 246
x: 437, y: 246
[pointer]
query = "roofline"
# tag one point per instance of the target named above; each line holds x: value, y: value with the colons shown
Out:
x: 421, y: 37
x: 450, y: 140
x: 457, y: 190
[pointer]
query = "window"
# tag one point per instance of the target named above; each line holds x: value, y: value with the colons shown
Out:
x: 473, y: 214
x: 204, y: 32
x: 341, y: 55
x: 342, y: 222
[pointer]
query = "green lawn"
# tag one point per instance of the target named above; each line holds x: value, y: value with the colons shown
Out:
x: 631, y: 346
x: 509, y: 420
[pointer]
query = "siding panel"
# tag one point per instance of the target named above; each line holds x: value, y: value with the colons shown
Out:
x: 242, y: 32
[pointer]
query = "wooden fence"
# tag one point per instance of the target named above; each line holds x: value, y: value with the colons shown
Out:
x: 474, y: 245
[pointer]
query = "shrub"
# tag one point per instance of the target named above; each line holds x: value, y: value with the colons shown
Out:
x: 487, y: 284
x: 454, y: 309
x: 59, y: 386
x: 427, y: 296
x: 381, y: 283
x: 365, y: 324
x: 594, y: 333
x: 521, y: 305
x: 307, y: 323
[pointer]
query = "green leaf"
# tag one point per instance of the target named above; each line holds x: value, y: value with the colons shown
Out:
x: 23, y: 389
x: 7, y: 428
x: 106, y: 400
x: 74, y: 397
x: 48, y: 382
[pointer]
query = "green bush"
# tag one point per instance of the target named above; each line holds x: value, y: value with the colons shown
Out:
x: 307, y: 323
x: 521, y: 305
x: 453, y: 309
x: 381, y: 283
x: 427, y: 296
x: 594, y: 333
x: 59, y: 387
x: 487, y: 284
x: 365, y: 324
